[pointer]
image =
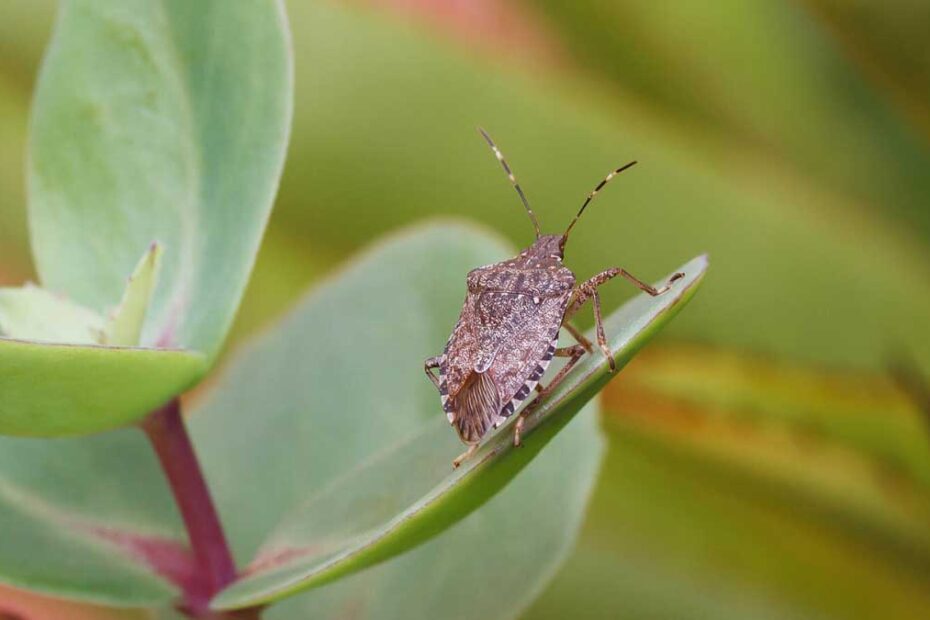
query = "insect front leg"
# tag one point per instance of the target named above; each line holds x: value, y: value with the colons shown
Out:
x: 574, y: 353
x: 588, y: 289
x: 428, y: 365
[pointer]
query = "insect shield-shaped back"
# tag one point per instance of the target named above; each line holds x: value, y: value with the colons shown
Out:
x: 505, y: 338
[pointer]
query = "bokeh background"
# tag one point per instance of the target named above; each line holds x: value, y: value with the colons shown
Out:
x: 770, y: 454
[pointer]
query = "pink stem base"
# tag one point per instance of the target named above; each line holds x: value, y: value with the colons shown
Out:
x: 215, y: 567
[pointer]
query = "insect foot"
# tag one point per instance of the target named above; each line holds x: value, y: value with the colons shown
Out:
x: 610, y: 358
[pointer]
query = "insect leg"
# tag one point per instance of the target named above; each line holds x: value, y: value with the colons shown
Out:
x: 574, y: 353
x: 428, y: 365
x: 464, y: 456
x: 577, y: 335
x: 601, y: 338
x: 588, y: 290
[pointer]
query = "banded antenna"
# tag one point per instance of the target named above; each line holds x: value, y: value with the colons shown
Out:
x: 591, y: 196
x: 513, y: 180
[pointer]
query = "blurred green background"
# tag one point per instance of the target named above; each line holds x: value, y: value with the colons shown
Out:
x: 766, y: 458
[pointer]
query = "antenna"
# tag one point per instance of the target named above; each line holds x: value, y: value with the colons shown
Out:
x: 591, y: 196
x: 513, y: 180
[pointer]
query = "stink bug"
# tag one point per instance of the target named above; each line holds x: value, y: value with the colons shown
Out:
x: 508, y: 330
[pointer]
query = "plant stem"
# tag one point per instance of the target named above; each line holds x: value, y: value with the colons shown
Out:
x: 215, y: 567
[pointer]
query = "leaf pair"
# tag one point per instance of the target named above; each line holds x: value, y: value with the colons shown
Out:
x: 141, y: 131
x: 324, y: 461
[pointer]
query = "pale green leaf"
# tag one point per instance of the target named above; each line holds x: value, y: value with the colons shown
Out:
x: 339, y: 383
x: 406, y: 493
x: 507, y: 551
x: 104, y: 495
x: 56, y: 389
x: 88, y: 518
x: 161, y: 120
x: 33, y: 313
x: 57, y: 380
x: 125, y: 324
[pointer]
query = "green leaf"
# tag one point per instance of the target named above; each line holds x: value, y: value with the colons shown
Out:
x: 52, y: 389
x: 407, y: 493
x: 89, y: 518
x: 161, y: 120
x: 33, y: 313
x: 505, y: 551
x: 125, y: 325
x: 337, y: 384
x: 55, y: 389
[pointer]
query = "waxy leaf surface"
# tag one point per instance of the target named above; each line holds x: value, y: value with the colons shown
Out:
x: 33, y: 313
x: 507, y: 550
x: 124, y: 327
x: 57, y: 389
x: 53, y: 389
x: 155, y: 125
x: 404, y: 493
x: 159, y: 121
x: 89, y: 518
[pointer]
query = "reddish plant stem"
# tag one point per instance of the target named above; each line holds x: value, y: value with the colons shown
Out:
x: 215, y: 567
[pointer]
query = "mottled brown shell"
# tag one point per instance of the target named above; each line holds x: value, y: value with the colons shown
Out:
x: 505, y: 337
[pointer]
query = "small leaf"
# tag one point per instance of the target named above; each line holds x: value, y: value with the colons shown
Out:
x: 56, y: 379
x: 33, y: 313
x: 408, y: 493
x: 125, y: 326
x: 164, y: 120
x: 338, y: 383
x: 55, y: 389
x: 145, y: 128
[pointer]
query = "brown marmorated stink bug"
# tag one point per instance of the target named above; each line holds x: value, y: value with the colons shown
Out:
x: 508, y: 330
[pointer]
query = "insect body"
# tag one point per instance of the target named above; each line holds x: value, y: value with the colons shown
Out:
x: 508, y: 330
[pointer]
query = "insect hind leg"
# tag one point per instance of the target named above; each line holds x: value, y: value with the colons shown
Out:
x: 464, y: 456
x: 574, y: 353
x: 428, y: 365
